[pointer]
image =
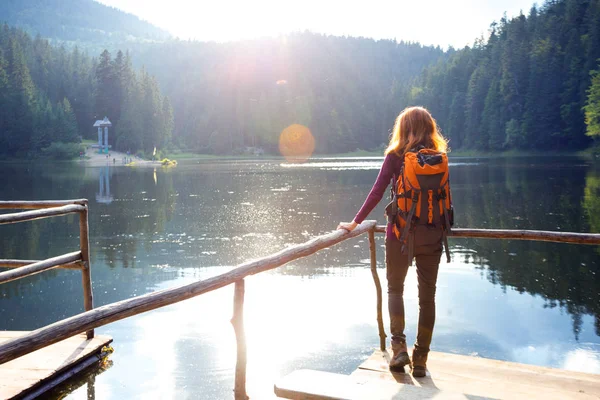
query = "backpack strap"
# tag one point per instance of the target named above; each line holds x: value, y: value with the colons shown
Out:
x: 411, y: 247
x: 447, y: 229
x: 409, y: 217
x: 394, y: 203
x: 445, y: 238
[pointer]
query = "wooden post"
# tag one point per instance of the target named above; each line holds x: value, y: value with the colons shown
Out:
x: 238, y: 326
x: 86, y: 274
x: 372, y: 248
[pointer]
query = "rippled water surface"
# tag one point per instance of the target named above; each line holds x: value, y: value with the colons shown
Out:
x: 529, y: 302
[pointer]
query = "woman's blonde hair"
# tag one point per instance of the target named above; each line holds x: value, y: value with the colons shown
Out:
x: 415, y: 127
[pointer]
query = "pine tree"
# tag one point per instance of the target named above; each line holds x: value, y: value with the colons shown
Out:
x: 69, y: 122
x: 542, y: 120
x: 592, y: 107
x: 168, y: 122
x: 492, y: 120
x: 119, y: 69
x: 4, y: 100
x: 21, y: 100
x: 107, y: 87
x: 151, y: 113
x: 129, y: 130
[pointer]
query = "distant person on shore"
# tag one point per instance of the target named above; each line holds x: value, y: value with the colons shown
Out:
x: 415, y: 133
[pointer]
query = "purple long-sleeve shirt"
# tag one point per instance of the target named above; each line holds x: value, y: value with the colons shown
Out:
x: 391, y: 166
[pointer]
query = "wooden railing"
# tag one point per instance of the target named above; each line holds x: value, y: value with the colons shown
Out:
x: 540, y: 236
x: 93, y: 318
x: 76, y: 260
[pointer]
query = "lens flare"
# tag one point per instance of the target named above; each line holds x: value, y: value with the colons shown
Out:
x: 296, y: 143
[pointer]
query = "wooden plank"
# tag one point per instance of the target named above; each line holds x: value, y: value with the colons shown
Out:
x: 28, y: 372
x: 543, y: 236
x: 116, y: 311
x: 316, y: 385
x: 485, y: 377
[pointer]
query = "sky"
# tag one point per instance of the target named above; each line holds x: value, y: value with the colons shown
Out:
x: 431, y: 22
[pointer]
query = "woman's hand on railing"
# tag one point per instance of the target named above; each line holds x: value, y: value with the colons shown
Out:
x: 347, y: 226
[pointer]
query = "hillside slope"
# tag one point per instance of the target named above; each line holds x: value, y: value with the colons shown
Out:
x: 83, y: 22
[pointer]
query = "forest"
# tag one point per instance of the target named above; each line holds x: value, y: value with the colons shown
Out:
x: 50, y: 98
x: 532, y: 84
x: 525, y: 87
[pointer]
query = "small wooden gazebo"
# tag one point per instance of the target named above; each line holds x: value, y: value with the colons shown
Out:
x: 103, y: 123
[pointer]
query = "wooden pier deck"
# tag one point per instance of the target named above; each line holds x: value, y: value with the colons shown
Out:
x: 449, y: 376
x: 34, y: 373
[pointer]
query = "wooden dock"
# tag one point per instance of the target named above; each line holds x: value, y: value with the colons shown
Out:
x: 34, y: 373
x: 449, y: 376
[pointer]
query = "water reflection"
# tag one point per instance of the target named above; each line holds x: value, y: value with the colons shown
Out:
x: 523, y: 301
x: 591, y: 199
x: 565, y: 275
x: 104, y: 196
x: 83, y: 383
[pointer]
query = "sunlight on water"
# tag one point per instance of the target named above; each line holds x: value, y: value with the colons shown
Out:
x: 336, y: 166
x: 585, y: 358
x: 349, y: 164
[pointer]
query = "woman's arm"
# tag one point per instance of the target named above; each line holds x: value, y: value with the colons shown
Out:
x: 376, y: 194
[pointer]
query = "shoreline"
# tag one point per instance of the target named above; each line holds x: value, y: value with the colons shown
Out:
x: 115, y: 159
x: 379, y: 154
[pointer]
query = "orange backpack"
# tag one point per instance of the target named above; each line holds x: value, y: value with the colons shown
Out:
x: 421, y: 196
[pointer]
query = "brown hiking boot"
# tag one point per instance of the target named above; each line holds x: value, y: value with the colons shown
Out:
x: 400, y: 357
x: 419, y: 368
x: 419, y: 371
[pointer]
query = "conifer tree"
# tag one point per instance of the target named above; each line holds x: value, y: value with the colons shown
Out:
x: 21, y: 100
x: 592, y: 107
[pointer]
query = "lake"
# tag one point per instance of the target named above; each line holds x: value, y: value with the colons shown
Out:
x: 529, y: 302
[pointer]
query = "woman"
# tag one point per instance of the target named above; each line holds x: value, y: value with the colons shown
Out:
x: 414, y: 128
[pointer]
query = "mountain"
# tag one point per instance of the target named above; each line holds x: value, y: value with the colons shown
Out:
x: 86, y: 23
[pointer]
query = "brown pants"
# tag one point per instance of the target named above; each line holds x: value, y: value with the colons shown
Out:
x: 427, y: 252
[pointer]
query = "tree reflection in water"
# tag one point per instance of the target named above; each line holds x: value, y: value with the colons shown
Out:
x: 516, y: 194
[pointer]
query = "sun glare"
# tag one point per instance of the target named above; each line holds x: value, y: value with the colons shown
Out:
x: 231, y: 20
x: 296, y: 143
